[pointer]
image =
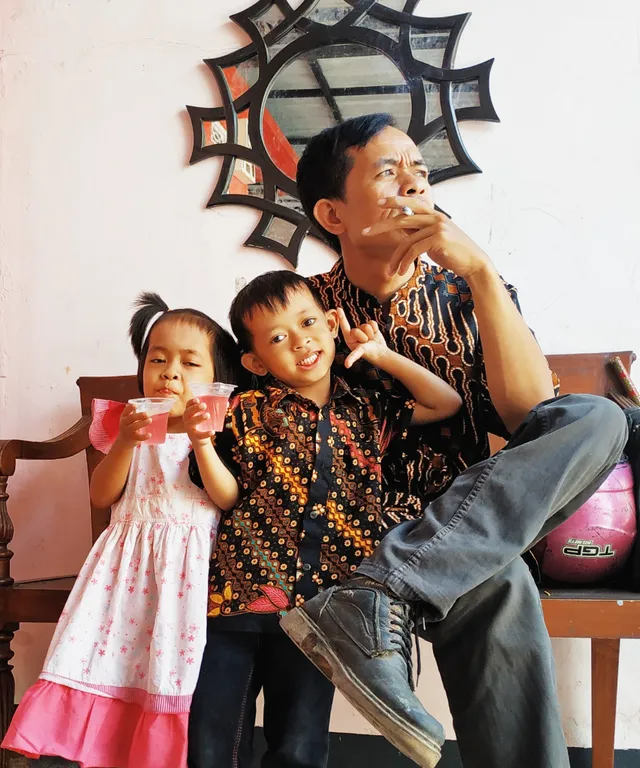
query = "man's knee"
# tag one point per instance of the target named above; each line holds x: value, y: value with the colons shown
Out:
x: 507, y: 603
x: 598, y: 418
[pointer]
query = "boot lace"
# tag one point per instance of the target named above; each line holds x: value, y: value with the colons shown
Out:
x: 403, y: 628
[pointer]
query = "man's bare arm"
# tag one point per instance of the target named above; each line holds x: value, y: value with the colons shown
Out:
x: 518, y: 374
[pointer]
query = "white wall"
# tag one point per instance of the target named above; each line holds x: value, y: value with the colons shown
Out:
x: 97, y: 203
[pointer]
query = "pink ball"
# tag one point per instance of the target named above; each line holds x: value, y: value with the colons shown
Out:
x: 596, y: 541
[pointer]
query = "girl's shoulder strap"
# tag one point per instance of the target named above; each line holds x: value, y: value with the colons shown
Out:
x: 105, y: 423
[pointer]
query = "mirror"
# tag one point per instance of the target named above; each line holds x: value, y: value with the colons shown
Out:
x: 310, y: 93
x: 318, y: 64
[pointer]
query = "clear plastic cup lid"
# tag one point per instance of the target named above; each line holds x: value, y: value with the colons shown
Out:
x: 216, y: 388
x: 152, y: 405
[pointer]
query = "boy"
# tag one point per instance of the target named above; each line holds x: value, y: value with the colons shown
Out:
x: 297, y: 470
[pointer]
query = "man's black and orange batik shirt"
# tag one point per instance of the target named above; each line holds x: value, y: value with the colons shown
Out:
x: 431, y: 321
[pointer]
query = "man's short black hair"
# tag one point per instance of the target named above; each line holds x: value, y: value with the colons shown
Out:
x: 270, y: 291
x: 326, y: 162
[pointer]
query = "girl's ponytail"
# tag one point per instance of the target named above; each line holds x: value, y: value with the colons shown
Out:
x: 148, y: 306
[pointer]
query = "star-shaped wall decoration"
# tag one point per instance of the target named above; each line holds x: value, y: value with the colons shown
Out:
x: 326, y: 61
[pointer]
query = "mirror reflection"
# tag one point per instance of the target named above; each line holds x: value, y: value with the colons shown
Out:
x: 321, y: 88
x: 329, y: 12
x: 242, y: 76
x: 437, y: 152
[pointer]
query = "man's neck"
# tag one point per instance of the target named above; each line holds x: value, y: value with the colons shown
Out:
x: 370, y: 274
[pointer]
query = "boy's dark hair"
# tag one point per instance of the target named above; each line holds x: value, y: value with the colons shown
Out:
x: 270, y: 291
x: 326, y: 162
x: 224, y: 351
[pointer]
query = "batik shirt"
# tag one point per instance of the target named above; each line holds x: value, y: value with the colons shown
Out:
x: 310, y: 486
x: 430, y: 320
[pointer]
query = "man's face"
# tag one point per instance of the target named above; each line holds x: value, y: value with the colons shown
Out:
x: 390, y: 165
x: 296, y: 343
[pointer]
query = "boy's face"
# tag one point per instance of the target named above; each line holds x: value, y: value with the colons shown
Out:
x: 296, y: 343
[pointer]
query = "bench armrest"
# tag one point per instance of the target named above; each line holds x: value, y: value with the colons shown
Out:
x: 69, y: 443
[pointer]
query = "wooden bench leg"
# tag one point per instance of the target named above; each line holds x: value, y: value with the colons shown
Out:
x: 7, y: 686
x: 604, y: 691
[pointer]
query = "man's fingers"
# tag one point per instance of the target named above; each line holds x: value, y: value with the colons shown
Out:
x: 417, y: 204
x: 395, y: 223
x: 353, y: 356
x: 412, y: 254
x: 401, y: 254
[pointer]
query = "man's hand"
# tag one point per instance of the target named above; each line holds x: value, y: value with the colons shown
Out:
x: 364, y: 341
x: 432, y: 233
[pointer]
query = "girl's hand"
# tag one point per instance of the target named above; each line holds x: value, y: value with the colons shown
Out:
x: 364, y: 341
x: 194, y: 415
x: 132, y: 426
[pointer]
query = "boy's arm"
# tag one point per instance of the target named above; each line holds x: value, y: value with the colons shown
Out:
x: 217, y: 480
x: 435, y: 399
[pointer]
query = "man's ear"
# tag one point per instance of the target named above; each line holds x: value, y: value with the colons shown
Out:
x: 327, y: 216
x: 333, y: 322
x: 253, y: 364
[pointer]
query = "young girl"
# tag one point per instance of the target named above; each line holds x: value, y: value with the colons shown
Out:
x: 117, y: 682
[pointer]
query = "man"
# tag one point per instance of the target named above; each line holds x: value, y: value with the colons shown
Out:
x: 365, y: 185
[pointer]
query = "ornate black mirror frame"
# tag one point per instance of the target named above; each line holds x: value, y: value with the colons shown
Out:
x: 370, y: 23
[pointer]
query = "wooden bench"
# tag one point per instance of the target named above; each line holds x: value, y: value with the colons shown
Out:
x: 602, y: 615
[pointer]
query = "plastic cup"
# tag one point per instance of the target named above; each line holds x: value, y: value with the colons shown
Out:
x: 158, y: 409
x: 216, y: 397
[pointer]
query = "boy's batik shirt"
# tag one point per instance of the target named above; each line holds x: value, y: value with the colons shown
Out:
x: 310, y: 496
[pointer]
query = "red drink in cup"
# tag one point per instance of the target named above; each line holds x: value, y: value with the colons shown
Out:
x: 216, y: 397
x: 158, y: 409
x: 158, y: 428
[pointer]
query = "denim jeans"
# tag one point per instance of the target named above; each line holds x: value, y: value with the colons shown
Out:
x: 481, y: 609
x: 297, y: 703
x: 632, y: 450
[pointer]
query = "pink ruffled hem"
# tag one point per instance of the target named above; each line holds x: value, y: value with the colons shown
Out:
x: 95, y: 731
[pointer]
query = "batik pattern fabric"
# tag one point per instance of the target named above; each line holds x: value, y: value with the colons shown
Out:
x: 310, y: 495
x: 430, y: 320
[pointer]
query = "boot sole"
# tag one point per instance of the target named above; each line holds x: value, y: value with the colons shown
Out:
x: 306, y: 634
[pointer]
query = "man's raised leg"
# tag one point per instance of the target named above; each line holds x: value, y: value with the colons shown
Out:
x: 494, y: 656
x: 491, y: 514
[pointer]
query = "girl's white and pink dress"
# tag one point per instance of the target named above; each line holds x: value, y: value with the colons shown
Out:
x: 117, y: 682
